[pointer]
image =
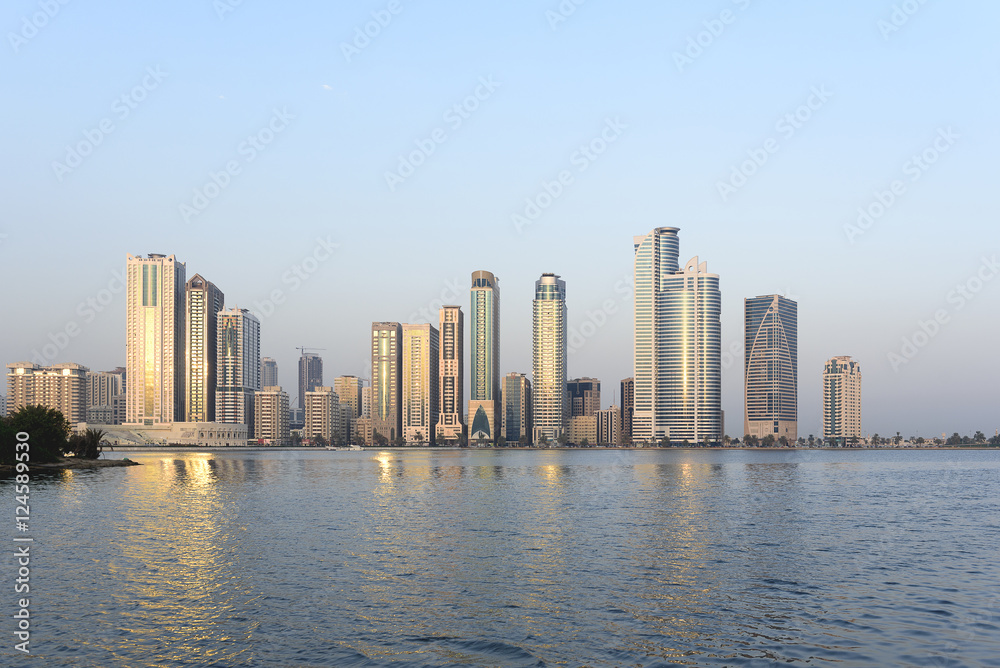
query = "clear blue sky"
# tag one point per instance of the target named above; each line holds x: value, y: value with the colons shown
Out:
x: 220, y: 76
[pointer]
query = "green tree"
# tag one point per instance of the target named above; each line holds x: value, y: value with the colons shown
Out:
x: 585, y: 443
x: 86, y: 445
x: 875, y: 440
x: 563, y: 439
x: 501, y: 441
x: 750, y: 441
x: 320, y: 440
x: 954, y: 439
x: 47, y: 431
x: 543, y: 441
x: 767, y: 441
x: 980, y: 437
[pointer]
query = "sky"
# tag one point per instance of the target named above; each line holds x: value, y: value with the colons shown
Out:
x: 332, y: 164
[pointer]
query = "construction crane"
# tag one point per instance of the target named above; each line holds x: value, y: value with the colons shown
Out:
x: 304, y: 349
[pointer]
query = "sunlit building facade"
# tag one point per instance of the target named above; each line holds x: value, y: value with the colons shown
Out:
x: 155, y: 331
x: 387, y: 380
x: 841, y: 398
x: 484, y: 402
x: 348, y: 388
x: 203, y: 301
x: 323, y: 416
x: 677, y: 344
x: 237, y: 366
x: 584, y: 396
x: 62, y: 387
x: 451, y: 370
x: 549, y: 409
x: 271, y: 416
x: 771, y: 368
x: 420, y: 384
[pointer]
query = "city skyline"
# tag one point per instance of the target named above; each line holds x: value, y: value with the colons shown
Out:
x: 804, y: 152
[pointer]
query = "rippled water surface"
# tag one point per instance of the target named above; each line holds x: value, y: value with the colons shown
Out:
x: 516, y: 558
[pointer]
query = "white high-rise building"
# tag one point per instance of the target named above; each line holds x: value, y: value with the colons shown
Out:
x: 451, y: 370
x: 271, y: 416
x: 771, y: 368
x: 62, y: 387
x: 104, y: 386
x: 678, y: 344
x: 841, y: 398
x: 238, y: 367
x: 323, y: 415
x: 549, y: 409
x: 155, y: 348
x: 420, y: 383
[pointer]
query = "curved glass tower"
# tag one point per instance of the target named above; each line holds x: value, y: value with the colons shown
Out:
x: 548, y: 396
x: 678, y: 344
x: 771, y: 368
x: 484, y: 404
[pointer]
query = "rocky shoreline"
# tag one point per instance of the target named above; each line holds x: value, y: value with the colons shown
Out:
x: 71, y: 463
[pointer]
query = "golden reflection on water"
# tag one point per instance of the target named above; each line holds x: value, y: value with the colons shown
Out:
x: 173, y: 579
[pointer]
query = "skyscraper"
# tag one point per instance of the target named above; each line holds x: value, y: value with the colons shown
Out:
x: 62, y: 387
x: 268, y: 372
x: 154, y: 340
x: 310, y: 375
x: 841, y: 399
x: 420, y: 383
x: 584, y: 396
x: 549, y: 410
x: 678, y: 348
x: 628, y: 408
x: 771, y: 370
x: 238, y: 367
x: 517, y: 424
x: 271, y: 415
x: 104, y: 386
x: 323, y: 415
x: 484, y: 404
x: 202, y: 305
x: 451, y: 368
x: 348, y: 388
x: 387, y: 380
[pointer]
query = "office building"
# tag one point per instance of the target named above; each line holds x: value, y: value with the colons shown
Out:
x: 348, y: 388
x: 517, y: 424
x: 842, y: 399
x: 237, y: 366
x: 628, y: 408
x: 451, y: 370
x: 203, y: 303
x: 484, y: 402
x: 549, y: 409
x: 387, y: 380
x: 271, y: 416
x: 103, y: 386
x: 609, y: 423
x: 677, y: 344
x: 584, y: 396
x: 62, y: 387
x: 420, y: 383
x: 155, y: 340
x: 268, y: 372
x: 310, y: 375
x: 771, y: 368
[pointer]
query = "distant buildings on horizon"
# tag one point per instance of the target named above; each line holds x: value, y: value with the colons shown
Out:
x: 189, y: 360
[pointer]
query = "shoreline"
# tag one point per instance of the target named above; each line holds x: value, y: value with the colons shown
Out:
x: 257, y: 448
x: 70, y: 463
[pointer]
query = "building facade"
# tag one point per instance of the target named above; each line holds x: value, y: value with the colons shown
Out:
x: 677, y: 344
x: 484, y: 402
x: 310, y: 375
x: 583, y: 430
x: 348, y: 388
x: 104, y: 386
x: 387, y: 380
x: 322, y: 415
x: 155, y: 349
x: 517, y: 423
x: 451, y: 370
x: 584, y: 396
x: 237, y: 366
x: 842, y: 399
x: 268, y: 372
x: 203, y: 301
x: 628, y: 408
x: 62, y: 387
x: 420, y: 383
x: 771, y: 368
x: 549, y: 410
x: 609, y: 423
x: 271, y: 416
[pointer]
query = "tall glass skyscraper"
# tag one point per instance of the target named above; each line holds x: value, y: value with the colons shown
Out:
x: 549, y: 409
x: 771, y: 369
x: 484, y: 404
x: 387, y: 380
x: 155, y: 340
x: 268, y: 372
x: 238, y: 367
x: 204, y: 301
x: 678, y: 344
x: 310, y: 375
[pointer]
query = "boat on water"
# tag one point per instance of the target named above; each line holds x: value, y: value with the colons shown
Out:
x: 355, y: 448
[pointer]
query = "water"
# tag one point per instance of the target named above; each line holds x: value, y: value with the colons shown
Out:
x: 516, y: 558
